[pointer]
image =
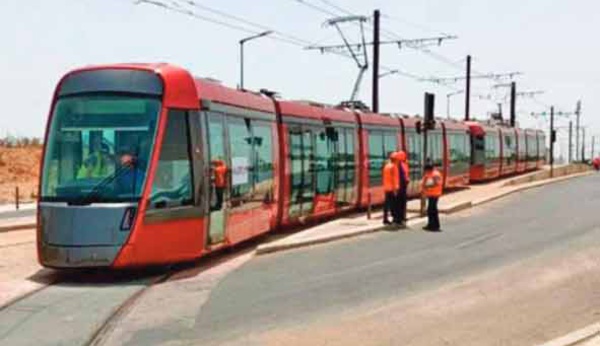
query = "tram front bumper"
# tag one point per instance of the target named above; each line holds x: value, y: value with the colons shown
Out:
x: 78, y: 256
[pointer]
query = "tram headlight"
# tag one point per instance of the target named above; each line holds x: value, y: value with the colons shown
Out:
x: 128, y: 218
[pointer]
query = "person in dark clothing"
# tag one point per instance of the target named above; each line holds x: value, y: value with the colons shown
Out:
x: 403, y: 174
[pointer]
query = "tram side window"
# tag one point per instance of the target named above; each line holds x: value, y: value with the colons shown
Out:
x: 263, y: 145
x: 479, y: 149
x: 435, y: 148
x: 390, y: 143
x: 414, y: 155
x: 242, y: 163
x: 323, y: 163
x: 350, y: 164
x: 376, y: 158
x: 172, y: 186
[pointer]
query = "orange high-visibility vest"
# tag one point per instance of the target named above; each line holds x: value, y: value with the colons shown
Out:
x: 391, y: 177
x: 431, y: 185
x: 220, y: 175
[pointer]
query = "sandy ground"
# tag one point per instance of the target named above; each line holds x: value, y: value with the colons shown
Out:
x: 19, y: 167
x: 20, y: 272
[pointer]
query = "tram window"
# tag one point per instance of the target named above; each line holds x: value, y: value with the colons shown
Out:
x: 390, y: 143
x: 242, y: 163
x: 340, y: 166
x: 297, y: 176
x: 324, y: 150
x: 263, y: 145
x: 308, y: 167
x: 350, y: 164
x: 414, y: 155
x: 435, y: 148
x: 479, y: 149
x: 88, y: 135
x: 376, y: 158
x: 172, y: 186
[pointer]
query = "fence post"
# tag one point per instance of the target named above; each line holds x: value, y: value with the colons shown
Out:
x: 17, y: 197
x: 369, y: 205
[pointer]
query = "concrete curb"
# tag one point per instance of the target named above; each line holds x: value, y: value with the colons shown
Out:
x: 527, y: 186
x: 577, y: 337
x: 271, y: 248
x: 266, y: 248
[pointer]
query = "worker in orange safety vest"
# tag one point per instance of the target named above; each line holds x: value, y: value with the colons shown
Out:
x: 391, y: 182
x: 431, y: 188
x: 404, y: 177
x: 219, y: 182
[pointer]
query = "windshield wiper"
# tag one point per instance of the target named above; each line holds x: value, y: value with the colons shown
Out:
x: 96, y: 190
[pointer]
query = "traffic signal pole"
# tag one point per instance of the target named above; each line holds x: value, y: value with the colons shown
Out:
x: 427, y: 124
x: 375, y: 91
x: 468, y: 90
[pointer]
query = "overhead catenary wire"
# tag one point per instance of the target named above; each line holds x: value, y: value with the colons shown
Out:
x: 175, y: 6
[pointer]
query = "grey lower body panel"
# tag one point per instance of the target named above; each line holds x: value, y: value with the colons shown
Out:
x: 78, y: 256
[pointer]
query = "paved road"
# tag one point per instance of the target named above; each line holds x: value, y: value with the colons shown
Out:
x: 303, y: 287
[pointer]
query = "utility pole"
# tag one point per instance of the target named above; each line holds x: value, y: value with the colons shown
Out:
x: 552, y: 139
x: 242, y: 41
x: 578, y: 114
x: 428, y: 123
x: 570, y: 141
x: 513, y: 102
x: 592, y: 152
x: 583, y: 146
x: 468, y: 90
x: 375, y: 91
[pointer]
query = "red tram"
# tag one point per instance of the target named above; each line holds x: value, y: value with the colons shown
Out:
x: 501, y: 151
x: 133, y: 153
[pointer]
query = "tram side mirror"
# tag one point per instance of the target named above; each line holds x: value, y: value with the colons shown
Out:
x: 418, y: 127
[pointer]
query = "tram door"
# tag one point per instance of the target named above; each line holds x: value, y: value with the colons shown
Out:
x: 219, y: 173
x: 302, y: 167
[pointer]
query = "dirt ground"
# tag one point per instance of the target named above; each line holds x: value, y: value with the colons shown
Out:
x: 19, y: 167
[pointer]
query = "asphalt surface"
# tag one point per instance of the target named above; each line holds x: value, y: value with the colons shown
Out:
x: 302, y: 286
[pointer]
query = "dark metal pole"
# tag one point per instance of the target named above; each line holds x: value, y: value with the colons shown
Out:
x: 513, y: 101
x: 242, y: 65
x: 578, y: 113
x: 570, y: 141
x: 428, y: 120
x: 423, y: 161
x: 552, y: 140
x: 375, y: 91
x: 592, y: 152
x: 583, y: 146
x: 468, y: 90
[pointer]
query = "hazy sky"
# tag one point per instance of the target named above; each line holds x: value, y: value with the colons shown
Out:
x: 549, y: 41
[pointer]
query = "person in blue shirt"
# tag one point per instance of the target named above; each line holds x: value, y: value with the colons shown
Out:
x: 130, y: 180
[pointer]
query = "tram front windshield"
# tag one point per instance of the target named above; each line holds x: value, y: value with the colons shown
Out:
x: 98, y: 148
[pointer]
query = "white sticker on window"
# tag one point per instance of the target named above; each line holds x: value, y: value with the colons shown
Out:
x: 239, y: 170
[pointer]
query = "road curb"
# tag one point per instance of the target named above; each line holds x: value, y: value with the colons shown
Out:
x: 271, y: 248
x: 576, y: 337
x: 266, y: 248
x: 531, y: 185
